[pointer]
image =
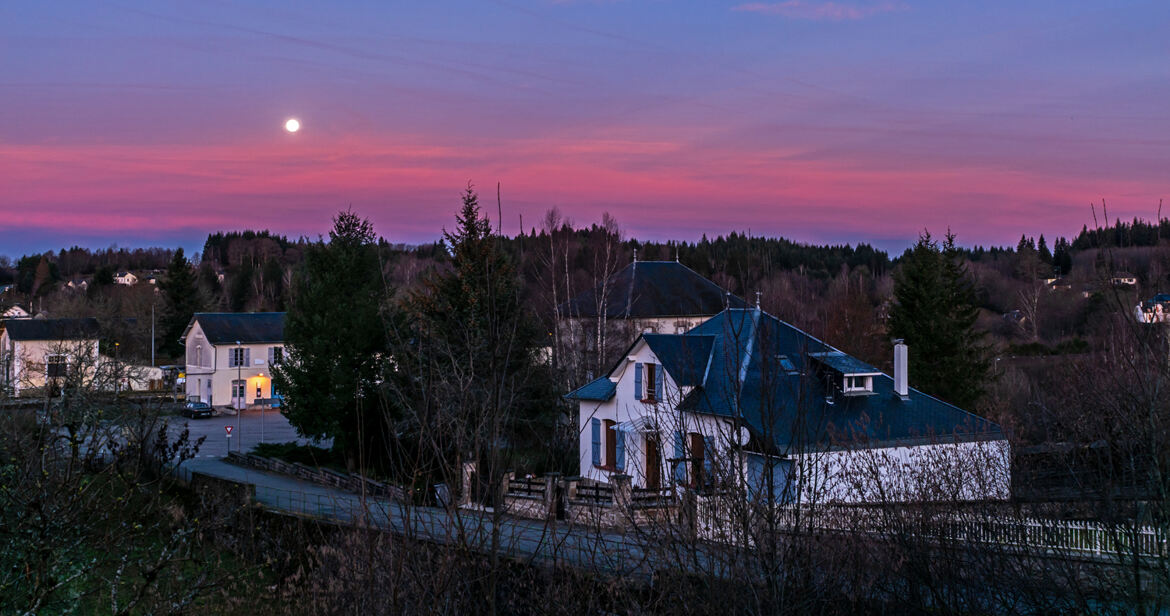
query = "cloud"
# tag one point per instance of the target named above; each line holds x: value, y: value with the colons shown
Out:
x: 820, y: 11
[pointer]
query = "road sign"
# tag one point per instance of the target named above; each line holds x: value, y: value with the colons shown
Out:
x: 228, y: 429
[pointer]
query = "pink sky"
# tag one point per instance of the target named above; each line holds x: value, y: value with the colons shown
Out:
x: 824, y: 122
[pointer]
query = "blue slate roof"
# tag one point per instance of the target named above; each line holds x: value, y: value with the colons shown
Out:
x: 685, y: 357
x: 245, y: 327
x: 785, y: 408
x: 52, y: 329
x: 598, y: 390
x: 653, y: 289
x: 845, y: 364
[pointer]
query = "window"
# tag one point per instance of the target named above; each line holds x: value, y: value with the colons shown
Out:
x: 276, y: 355
x: 238, y: 388
x: 858, y: 384
x: 237, y: 357
x: 199, y: 355
x: 55, y: 366
x: 786, y: 364
x: 610, y: 439
x: 648, y: 382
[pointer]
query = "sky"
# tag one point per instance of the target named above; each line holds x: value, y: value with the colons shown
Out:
x: 847, y: 121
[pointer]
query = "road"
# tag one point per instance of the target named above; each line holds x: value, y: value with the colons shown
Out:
x: 581, y: 546
x: 248, y: 429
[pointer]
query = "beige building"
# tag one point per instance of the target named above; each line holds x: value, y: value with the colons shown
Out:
x: 34, y: 352
x: 230, y: 358
x: 652, y: 297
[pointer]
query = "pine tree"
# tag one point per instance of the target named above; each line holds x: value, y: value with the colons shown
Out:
x: 935, y: 313
x: 335, y: 341
x: 181, y: 300
x: 472, y: 381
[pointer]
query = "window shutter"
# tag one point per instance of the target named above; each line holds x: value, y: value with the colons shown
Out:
x: 271, y: 355
x: 247, y: 357
x: 708, y: 459
x: 680, y: 467
x: 658, y: 382
x: 596, y: 425
x: 755, y: 470
x: 620, y: 463
x: 638, y: 381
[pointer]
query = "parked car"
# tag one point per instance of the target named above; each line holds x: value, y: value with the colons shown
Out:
x: 197, y: 410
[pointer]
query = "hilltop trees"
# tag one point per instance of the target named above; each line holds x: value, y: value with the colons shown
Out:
x: 934, y: 312
x: 335, y: 341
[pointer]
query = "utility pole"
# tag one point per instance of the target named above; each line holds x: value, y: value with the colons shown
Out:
x: 242, y: 391
x: 152, y: 334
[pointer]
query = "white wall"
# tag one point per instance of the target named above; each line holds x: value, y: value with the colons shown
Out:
x: 625, y: 407
x: 216, y: 369
x: 964, y: 471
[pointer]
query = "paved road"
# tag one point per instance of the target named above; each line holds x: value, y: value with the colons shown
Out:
x: 581, y: 546
x: 248, y: 429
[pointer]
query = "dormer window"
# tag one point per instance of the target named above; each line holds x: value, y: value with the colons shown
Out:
x: 858, y: 384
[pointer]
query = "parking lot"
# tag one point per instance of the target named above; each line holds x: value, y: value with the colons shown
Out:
x: 248, y: 429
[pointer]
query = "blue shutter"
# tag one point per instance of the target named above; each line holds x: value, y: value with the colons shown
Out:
x: 596, y: 424
x: 638, y: 381
x: 755, y: 473
x: 680, y: 467
x: 658, y: 383
x: 708, y: 459
x: 620, y: 449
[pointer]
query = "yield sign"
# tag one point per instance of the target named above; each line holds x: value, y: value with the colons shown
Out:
x: 228, y: 429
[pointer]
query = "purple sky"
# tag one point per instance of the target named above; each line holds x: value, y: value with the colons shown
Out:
x: 157, y: 123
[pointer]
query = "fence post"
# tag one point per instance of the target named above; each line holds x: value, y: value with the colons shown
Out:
x: 465, y: 486
x: 623, y: 495
x: 551, y: 482
x: 501, y: 501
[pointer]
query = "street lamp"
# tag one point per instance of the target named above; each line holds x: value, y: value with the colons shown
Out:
x: 116, y: 371
x: 239, y: 407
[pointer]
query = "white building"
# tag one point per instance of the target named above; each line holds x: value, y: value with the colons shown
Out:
x: 230, y: 357
x: 745, y: 399
x: 34, y: 352
x: 126, y: 278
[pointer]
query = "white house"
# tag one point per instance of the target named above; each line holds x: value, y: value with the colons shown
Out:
x: 34, y: 352
x: 230, y: 357
x: 126, y: 278
x: 1154, y: 310
x: 745, y: 399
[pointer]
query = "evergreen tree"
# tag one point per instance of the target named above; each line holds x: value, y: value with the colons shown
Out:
x: 935, y: 313
x: 181, y: 300
x: 1045, y: 254
x: 473, y: 381
x: 335, y: 341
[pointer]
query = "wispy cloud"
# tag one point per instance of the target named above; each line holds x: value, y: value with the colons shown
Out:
x: 827, y: 11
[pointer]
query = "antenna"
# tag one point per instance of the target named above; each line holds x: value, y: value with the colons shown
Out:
x: 635, y: 255
x: 676, y: 246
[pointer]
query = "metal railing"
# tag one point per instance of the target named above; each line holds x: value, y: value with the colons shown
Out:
x: 715, y: 522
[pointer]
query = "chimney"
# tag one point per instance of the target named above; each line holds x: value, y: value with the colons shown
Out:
x: 901, y: 371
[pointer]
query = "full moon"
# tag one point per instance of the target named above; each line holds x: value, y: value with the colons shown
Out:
x: 293, y: 125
